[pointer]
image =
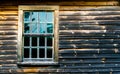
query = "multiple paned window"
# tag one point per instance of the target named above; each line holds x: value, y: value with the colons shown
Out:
x: 39, y: 34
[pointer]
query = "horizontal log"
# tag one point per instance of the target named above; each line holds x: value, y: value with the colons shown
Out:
x: 9, y: 65
x: 8, y: 47
x: 88, y: 37
x: 89, y: 13
x: 90, y: 41
x: 8, y: 52
x: 89, y: 8
x: 89, y: 51
x: 8, y: 37
x: 8, y: 42
x: 88, y: 46
x: 8, y: 22
x: 8, y: 18
x: 90, y: 22
x: 8, y: 61
x: 8, y: 27
x: 8, y: 12
x: 8, y: 32
x: 8, y: 8
x: 99, y: 17
x: 8, y: 57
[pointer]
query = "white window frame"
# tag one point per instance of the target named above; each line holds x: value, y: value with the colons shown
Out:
x: 23, y: 8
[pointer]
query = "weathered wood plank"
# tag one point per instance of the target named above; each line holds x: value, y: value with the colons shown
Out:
x: 8, y: 47
x: 8, y: 22
x: 8, y: 32
x: 89, y: 8
x: 90, y: 41
x: 8, y: 52
x: 8, y: 37
x: 90, y: 22
x: 88, y: 13
x: 2, y: 28
x: 100, y: 17
x: 8, y: 57
x: 8, y: 18
x: 8, y: 42
x: 89, y: 51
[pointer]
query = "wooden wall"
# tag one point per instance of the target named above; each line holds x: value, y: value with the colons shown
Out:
x: 89, y: 34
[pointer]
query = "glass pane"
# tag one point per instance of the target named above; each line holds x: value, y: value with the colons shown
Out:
x: 34, y: 41
x: 50, y: 16
x: 34, y: 16
x: 42, y: 28
x: 34, y: 52
x: 42, y: 16
x: 49, y: 28
x: 34, y: 28
x: 49, y: 41
x: 49, y: 53
x: 42, y: 53
x: 26, y: 16
x: 26, y: 52
x: 26, y: 28
x: 41, y: 41
x: 26, y: 41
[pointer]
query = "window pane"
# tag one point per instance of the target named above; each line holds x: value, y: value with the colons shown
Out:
x: 34, y: 16
x: 49, y: 53
x: 34, y: 41
x: 50, y: 17
x: 34, y: 52
x: 34, y: 28
x: 26, y: 52
x: 49, y: 28
x: 42, y: 16
x: 26, y: 41
x: 26, y: 16
x: 42, y: 28
x: 41, y: 41
x: 42, y: 53
x: 26, y: 28
x: 49, y: 41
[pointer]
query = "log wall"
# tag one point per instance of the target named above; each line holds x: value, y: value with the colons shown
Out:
x: 89, y: 34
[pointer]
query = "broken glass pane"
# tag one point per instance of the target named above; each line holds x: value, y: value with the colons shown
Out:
x: 26, y: 16
x: 34, y: 16
x: 49, y: 28
x: 34, y: 41
x: 42, y: 28
x: 26, y: 28
x: 34, y: 28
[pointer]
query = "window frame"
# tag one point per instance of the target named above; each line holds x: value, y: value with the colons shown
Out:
x: 23, y: 8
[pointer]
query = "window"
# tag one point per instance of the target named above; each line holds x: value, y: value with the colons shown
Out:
x: 38, y: 34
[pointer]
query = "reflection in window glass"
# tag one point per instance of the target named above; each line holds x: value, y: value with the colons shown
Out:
x: 49, y: 28
x: 34, y: 28
x: 34, y: 16
x: 34, y: 53
x: 50, y: 16
x: 49, y: 41
x: 26, y: 41
x: 26, y: 28
x: 26, y: 52
x: 42, y: 28
x: 42, y: 16
x: 26, y: 16
x: 42, y: 53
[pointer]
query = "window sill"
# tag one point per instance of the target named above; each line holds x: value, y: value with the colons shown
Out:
x: 38, y: 63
